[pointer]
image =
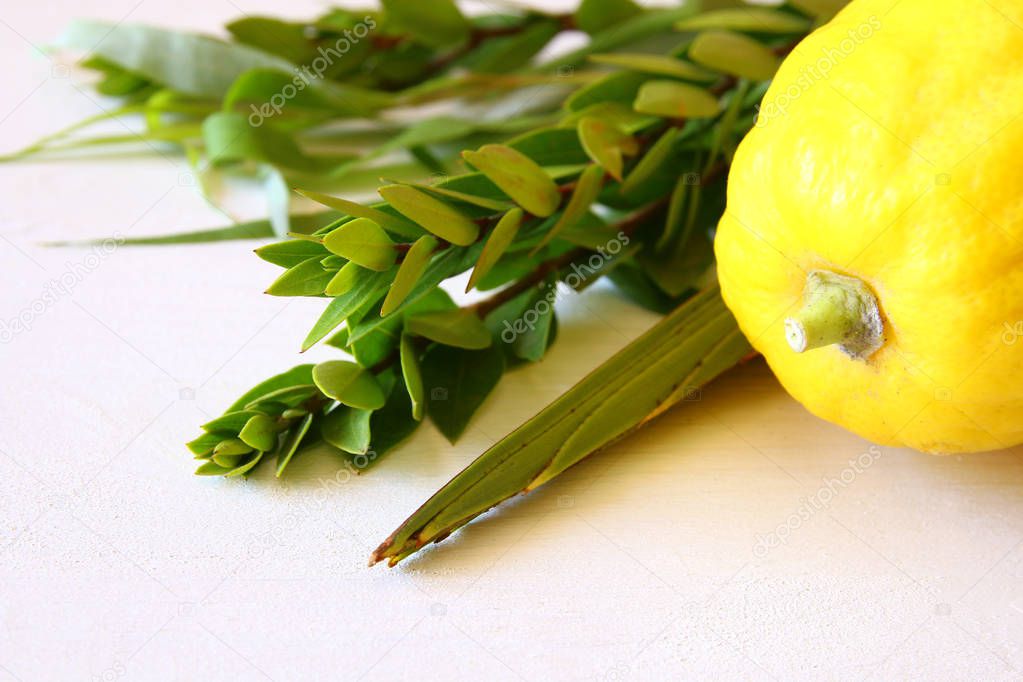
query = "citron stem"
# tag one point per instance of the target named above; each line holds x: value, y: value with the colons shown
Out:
x: 836, y: 310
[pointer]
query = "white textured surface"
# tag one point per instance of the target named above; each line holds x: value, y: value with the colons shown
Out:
x: 116, y: 563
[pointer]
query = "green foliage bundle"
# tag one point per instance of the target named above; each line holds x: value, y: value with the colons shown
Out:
x: 621, y: 175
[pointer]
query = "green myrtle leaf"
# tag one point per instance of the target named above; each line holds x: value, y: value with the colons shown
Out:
x: 820, y: 9
x: 308, y: 278
x: 735, y: 54
x: 593, y: 16
x: 367, y: 290
x: 344, y: 280
x: 551, y: 147
x: 456, y: 382
x: 683, y: 268
x: 538, y: 322
x: 211, y: 469
x: 388, y: 221
x: 638, y: 288
x: 377, y: 344
x: 653, y: 162
x: 431, y: 213
x: 586, y: 191
x: 274, y: 36
x: 230, y: 447
x: 518, y: 176
x: 506, y: 54
x: 232, y: 421
x: 349, y: 384
x: 411, y: 269
x: 618, y: 87
x: 259, y: 432
x: 392, y: 423
x: 231, y: 462
x: 294, y: 412
x: 675, y: 100
x: 245, y: 467
x: 658, y: 65
x: 459, y: 328
x: 291, y: 441
x: 472, y: 199
x: 437, y: 23
x: 605, y: 144
x: 682, y: 197
x: 291, y: 252
x: 347, y: 428
x: 363, y: 242
x: 296, y: 376
x: 497, y: 243
x: 204, y: 444
x: 413, y: 377
x: 750, y: 19
x: 229, y: 137
x: 333, y: 262
x: 389, y: 329
x: 289, y: 396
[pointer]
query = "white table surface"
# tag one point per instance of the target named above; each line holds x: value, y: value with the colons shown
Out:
x: 117, y: 563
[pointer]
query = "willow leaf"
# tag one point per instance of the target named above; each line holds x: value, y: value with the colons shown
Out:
x: 193, y: 64
x: 256, y: 229
x: 689, y: 348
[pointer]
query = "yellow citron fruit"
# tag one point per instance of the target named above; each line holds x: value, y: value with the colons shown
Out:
x: 872, y: 247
